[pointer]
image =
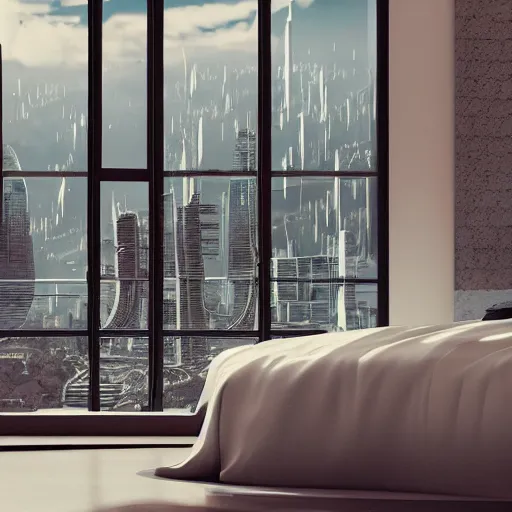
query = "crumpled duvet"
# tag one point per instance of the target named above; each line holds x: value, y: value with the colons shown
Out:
x: 424, y: 410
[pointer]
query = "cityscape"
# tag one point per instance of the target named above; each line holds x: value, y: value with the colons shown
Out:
x: 324, y: 229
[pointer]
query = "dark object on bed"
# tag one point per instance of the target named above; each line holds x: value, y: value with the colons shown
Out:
x: 500, y: 311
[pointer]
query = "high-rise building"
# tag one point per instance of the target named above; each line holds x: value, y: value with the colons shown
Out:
x: 244, y: 156
x: 288, y: 62
x: 243, y: 234
x: 190, y: 284
x: 242, y: 252
x: 128, y: 246
x: 169, y: 236
x: 297, y: 299
x: 169, y: 253
x: 127, y: 311
x: 17, y: 271
x: 191, y: 313
x: 191, y: 233
x: 108, y: 257
x: 348, y: 317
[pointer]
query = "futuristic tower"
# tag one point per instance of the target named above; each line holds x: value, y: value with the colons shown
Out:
x: 242, y: 234
x: 17, y: 273
x: 126, y: 311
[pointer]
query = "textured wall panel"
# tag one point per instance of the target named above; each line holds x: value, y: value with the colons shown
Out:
x: 483, y: 149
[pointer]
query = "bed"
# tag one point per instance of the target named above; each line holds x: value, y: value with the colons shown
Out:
x: 420, y: 410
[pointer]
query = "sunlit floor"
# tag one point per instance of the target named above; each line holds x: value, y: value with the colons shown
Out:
x: 72, y: 481
x: 89, y: 480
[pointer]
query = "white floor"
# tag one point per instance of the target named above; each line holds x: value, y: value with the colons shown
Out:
x: 92, y: 480
x: 85, y: 480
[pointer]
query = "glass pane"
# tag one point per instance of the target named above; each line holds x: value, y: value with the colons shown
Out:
x: 324, y: 228
x: 327, y: 306
x: 55, y: 305
x: 211, y: 85
x: 186, y: 363
x: 43, y: 373
x: 324, y: 93
x: 210, y: 254
x: 124, y: 368
x: 124, y: 255
x: 124, y: 84
x: 45, y: 54
x: 43, y: 254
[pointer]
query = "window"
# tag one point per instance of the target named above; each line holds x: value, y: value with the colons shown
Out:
x: 179, y: 179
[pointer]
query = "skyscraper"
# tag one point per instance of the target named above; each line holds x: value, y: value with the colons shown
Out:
x: 191, y: 313
x: 243, y: 234
x: 169, y: 253
x: 191, y: 232
x: 244, y: 156
x: 127, y: 308
x: 17, y: 272
x: 288, y: 62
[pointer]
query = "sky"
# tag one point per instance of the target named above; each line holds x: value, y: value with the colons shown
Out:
x: 47, y: 33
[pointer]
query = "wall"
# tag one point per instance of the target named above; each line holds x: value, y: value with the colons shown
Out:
x: 483, y: 188
x: 421, y: 161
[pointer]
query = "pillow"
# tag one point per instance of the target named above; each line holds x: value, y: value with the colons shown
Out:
x: 500, y: 311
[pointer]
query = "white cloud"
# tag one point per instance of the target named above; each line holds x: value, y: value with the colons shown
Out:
x: 74, y: 3
x: 304, y: 3
x: 192, y: 27
x: 32, y: 3
x: 188, y: 19
x: 277, y: 5
x: 30, y: 34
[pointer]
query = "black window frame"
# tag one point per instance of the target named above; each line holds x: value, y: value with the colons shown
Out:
x: 155, y: 422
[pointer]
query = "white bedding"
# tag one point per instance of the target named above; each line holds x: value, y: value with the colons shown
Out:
x: 423, y: 410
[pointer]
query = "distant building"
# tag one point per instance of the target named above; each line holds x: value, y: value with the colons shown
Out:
x: 244, y: 156
x: 191, y: 235
x: 243, y: 241
x: 183, y: 305
x: 243, y: 234
x: 169, y: 263
x: 108, y: 257
x: 127, y: 311
x: 190, y: 266
x: 297, y: 300
x: 169, y: 236
x: 17, y: 272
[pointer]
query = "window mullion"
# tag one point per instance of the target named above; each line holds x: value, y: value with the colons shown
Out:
x: 94, y: 152
x: 264, y: 165
x: 383, y: 162
x: 155, y: 141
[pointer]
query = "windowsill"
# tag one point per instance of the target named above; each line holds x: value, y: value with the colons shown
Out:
x: 74, y: 442
x: 85, y: 412
x: 57, y: 423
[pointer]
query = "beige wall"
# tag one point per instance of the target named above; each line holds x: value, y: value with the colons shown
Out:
x: 421, y: 161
